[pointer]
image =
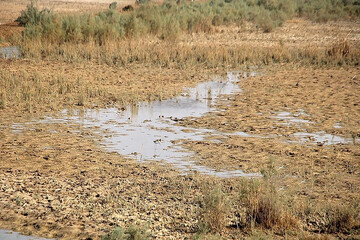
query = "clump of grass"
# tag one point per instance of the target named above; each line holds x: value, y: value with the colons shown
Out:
x: 270, y: 169
x: 341, y: 219
x: 214, y: 210
x: 263, y: 207
x: 113, y: 5
x: 339, y: 50
x: 2, y: 100
x: 130, y: 233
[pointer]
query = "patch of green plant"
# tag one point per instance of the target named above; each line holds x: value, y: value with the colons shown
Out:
x: 270, y: 169
x: 130, y: 233
x: 32, y: 15
x: 113, y: 5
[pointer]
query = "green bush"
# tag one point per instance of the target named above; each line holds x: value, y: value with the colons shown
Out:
x: 131, y: 233
x: 32, y: 15
x: 113, y: 5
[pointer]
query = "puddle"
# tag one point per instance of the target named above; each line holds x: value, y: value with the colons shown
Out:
x: 10, y: 235
x: 9, y: 52
x: 323, y: 138
x: 147, y: 131
x: 288, y: 118
x: 337, y: 125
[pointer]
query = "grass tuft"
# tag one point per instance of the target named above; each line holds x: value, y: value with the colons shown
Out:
x: 341, y: 219
x: 264, y: 208
x: 214, y: 210
x: 130, y: 233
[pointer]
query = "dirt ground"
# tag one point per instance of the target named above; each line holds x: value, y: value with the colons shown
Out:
x: 57, y: 181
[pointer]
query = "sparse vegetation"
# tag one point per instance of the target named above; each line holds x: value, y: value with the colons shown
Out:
x: 113, y: 37
x: 264, y: 208
x: 170, y: 19
x: 95, y: 53
x: 130, y: 233
x: 214, y: 210
x: 342, y: 219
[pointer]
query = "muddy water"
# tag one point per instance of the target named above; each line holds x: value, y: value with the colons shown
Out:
x: 9, y: 52
x: 10, y: 235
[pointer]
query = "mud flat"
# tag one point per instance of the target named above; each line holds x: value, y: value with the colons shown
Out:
x: 252, y: 130
x: 90, y: 145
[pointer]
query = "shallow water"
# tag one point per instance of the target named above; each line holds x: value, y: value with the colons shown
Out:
x: 288, y: 118
x: 10, y: 235
x: 9, y: 52
x: 148, y: 131
x: 323, y: 138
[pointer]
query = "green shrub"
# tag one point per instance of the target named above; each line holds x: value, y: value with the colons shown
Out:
x: 131, y: 233
x: 32, y: 15
x: 141, y: 2
x: 113, y: 5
